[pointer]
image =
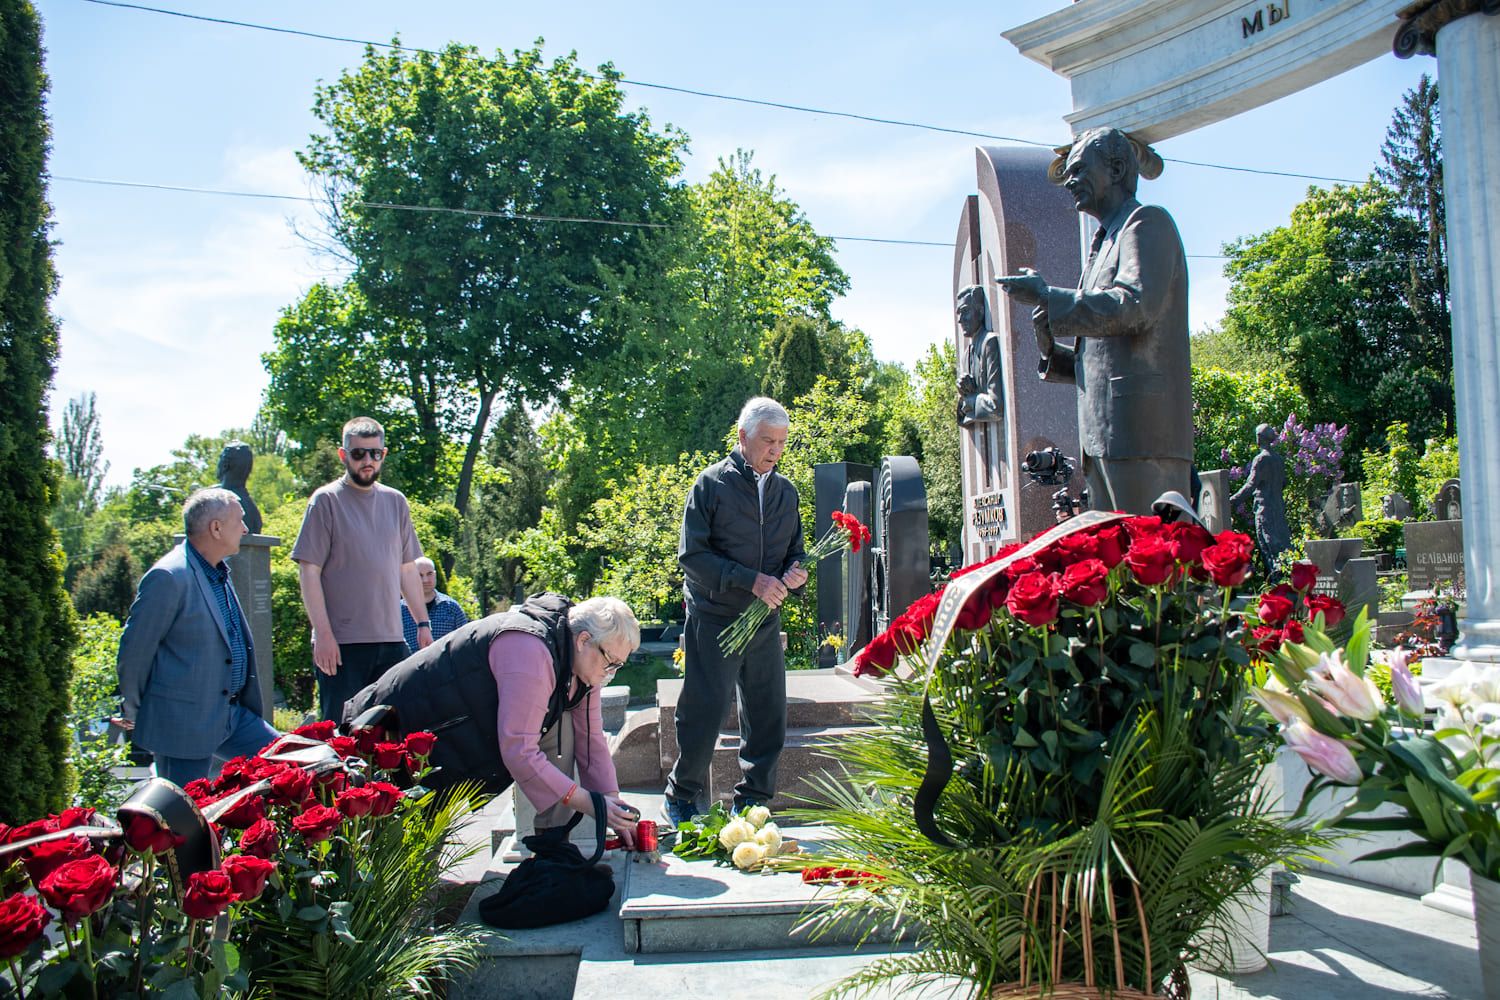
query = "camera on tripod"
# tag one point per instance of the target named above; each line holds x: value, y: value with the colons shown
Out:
x: 1048, y: 467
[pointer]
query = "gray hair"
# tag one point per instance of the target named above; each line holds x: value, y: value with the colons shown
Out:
x: 204, y: 506
x: 423, y: 559
x: 763, y: 410
x: 1113, y: 144
x: 605, y: 619
x: 363, y: 427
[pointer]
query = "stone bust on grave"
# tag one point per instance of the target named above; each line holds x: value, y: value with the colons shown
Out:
x: 235, y: 463
x: 980, y: 392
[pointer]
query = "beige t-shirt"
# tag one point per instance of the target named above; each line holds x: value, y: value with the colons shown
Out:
x: 360, y: 538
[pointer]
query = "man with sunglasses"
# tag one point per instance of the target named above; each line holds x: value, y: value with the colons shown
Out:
x: 356, y: 559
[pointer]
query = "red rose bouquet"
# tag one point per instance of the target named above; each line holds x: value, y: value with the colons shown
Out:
x: 1074, y: 735
x: 846, y: 533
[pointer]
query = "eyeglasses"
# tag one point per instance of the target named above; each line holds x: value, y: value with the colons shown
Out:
x: 611, y: 667
x: 358, y: 454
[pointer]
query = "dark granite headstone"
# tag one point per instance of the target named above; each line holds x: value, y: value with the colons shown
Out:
x: 1434, y: 553
x: 1447, y: 505
x: 854, y: 595
x: 1395, y: 507
x: 1344, y: 574
x: 830, y: 482
x: 1018, y: 219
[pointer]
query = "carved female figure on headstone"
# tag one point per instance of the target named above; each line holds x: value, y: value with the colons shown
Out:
x: 1267, y: 483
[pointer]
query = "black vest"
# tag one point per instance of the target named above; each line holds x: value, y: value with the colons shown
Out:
x: 447, y: 689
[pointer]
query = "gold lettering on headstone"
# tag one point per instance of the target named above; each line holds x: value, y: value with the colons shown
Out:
x: 988, y: 515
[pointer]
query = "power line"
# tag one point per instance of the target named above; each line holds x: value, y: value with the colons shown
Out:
x: 803, y: 109
x: 534, y: 217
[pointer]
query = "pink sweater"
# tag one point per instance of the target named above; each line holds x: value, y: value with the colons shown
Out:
x: 522, y: 667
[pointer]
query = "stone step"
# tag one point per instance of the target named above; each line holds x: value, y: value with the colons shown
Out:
x: 804, y: 762
x: 814, y: 698
x: 697, y: 906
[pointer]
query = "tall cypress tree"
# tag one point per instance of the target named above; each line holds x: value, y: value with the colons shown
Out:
x: 36, y: 625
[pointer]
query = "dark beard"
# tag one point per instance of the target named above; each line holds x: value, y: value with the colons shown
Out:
x: 354, y: 477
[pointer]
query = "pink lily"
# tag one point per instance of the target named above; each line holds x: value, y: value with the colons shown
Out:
x: 1323, y: 754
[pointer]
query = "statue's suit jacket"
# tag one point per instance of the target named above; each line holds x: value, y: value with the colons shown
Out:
x: 1131, y: 361
x: 174, y: 662
x: 984, y: 364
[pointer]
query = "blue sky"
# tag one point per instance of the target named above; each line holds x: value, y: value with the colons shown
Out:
x: 167, y: 299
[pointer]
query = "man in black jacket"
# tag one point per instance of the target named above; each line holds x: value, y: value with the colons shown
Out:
x: 741, y: 540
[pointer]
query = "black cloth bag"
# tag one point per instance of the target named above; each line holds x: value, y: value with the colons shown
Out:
x: 557, y: 884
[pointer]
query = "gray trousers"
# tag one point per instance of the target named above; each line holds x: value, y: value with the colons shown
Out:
x: 1134, y: 484
x: 759, y: 675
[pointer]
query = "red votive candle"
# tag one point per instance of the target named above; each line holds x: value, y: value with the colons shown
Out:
x: 645, y: 835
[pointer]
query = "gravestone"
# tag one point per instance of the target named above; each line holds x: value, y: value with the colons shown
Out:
x: 1395, y: 507
x: 831, y: 481
x: 1447, y: 505
x: 854, y: 595
x: 899, y: 556
x: 1434, y: 553
x: 1018, y: 219
x: 1213, y: 500
x: 250, y: 569
x: 1341, y: 509
x: 1345, y: 574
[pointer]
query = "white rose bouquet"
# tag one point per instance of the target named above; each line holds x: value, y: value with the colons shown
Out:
x: 746, y: 840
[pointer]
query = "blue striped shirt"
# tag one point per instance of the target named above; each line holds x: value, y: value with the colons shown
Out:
x: 234, y: 621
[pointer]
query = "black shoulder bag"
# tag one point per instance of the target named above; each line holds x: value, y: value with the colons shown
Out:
x: 557, y: 884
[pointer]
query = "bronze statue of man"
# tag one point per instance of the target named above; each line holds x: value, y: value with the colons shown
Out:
x: 980, y: 393
x: 235, y: 463
x: 1129, y: 314
x: 1265, y: 482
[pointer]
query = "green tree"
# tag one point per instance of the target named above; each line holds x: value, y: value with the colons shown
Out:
x: 937, y: 430
x: 1393, y: 469
x: 510, y: 488
x: 493, y: 301
x: 107, y: 586
x: 80, y: 449
x: 1412, y: 165
x: 38, y: 629
x: 796, y: 358
x: 1229, y: 405
x: 1331, y: 291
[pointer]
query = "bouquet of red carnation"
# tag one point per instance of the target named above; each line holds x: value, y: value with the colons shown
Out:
x: 846, y: 533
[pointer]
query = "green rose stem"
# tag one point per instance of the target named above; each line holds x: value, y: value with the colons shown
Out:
x: 86, y: 938
x: 15, y: 974
x: 145, y: 895
x: 192, y: 953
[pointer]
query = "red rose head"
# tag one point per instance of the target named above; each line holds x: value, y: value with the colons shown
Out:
x: 1273, y: 609
x: 975, y: 614
x: 317, y: 823
x: 1227, y: 565
x: 75, y: 816
x: 386, y: 797
x: 355, y: 802
x: 344, y: 746
x: 247, y: 875
x: 200, y: 790
x: 1113, y: 543
x: 1077, y: 547
x: 1150, y: 558
x: 78, y: 888
x: 22, y: 921
x: 45, y: 858
x: 1145, y: 526
x: 365, y: 739
x: 243, y: 813
x: 1293, y: 631
x: 1332, y: 609
x: 261, y: 840
x: 1086, y: 583
x: 1188, y: 541
x: 1019, y: 568
x: 291, y: 785
x: 1304, y: 575
x: 207, y: 895
x: 878, y: 656
x: 420, y: 744
x: 317, y: 730
x: 389, y: 756
x: 1033, y: 599
x: 143, y: 834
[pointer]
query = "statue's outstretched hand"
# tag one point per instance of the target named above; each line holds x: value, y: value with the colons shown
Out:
x: 1027, y: 287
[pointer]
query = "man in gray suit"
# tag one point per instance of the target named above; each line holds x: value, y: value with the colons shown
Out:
x: 1129, y: 315
x: 187, y: 662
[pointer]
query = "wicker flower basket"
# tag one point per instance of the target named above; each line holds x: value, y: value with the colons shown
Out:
x: 1176, y: 986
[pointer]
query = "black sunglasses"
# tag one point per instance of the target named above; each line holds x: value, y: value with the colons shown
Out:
x: 358, y: 454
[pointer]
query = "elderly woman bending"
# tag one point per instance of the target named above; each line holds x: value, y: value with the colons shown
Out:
x: 510, y: 697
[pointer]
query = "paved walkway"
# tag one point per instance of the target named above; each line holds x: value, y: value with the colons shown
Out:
x: 1338, y: 940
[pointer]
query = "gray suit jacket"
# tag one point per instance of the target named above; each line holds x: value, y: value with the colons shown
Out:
x: 1131, y: 361
x: 174, y: 662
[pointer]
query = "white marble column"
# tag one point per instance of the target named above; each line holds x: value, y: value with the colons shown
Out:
x: 1468, y: 51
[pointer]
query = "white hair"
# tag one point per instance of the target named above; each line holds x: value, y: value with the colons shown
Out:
x: 762, y: 410
x: 423, y: 559
x: 204, y: 506
x: 605, y: 619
